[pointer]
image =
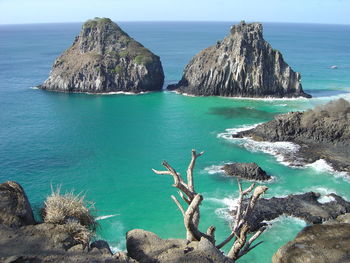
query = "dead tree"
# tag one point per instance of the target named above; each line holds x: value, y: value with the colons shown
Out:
x: 240, y: 228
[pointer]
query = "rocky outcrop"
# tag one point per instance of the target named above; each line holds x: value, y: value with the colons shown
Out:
x: 242, y: 64
x: 147, y: 247
x: 248, y: 171
x: 322, y: 133
x: 15, y: 209
x: 50, y: 243
x: 103, y: 58
x: 304, y: 206
x: 24, y: 240
x: 318, y: 244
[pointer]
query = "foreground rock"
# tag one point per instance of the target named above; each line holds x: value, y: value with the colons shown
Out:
x: 304, y: 206
x: 318, y: 244
x: 248, y: 171
x: 322, y: 133
x: 242, y: 64
x: 147, y: 247
x: 50, y: 243
x: 23, y: 240
x: 103, y: 58
x: 15, y: 210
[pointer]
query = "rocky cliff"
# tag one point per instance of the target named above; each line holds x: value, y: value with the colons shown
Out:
x: 103, y: 58
x: 242, y: 64
x: 322, y: 133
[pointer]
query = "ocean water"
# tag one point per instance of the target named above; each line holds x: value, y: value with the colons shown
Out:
x: 105, y: 145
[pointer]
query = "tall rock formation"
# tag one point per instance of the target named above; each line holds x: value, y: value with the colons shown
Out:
x: 103, y: 58
x: 242, y: 64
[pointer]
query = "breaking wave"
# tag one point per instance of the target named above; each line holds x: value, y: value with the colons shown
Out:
x: 284, y: 152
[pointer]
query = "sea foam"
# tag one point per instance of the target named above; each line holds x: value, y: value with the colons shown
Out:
x: 322, y: 166
x: 278, y: 149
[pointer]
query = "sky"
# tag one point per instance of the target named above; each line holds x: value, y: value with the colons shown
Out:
x: 53, y: 11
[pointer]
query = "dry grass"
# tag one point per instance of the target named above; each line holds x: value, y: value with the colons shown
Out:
x: 81, y: 234
x: 63, y: 208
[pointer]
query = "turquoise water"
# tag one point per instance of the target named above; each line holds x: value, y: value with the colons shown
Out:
x: 105, y: 146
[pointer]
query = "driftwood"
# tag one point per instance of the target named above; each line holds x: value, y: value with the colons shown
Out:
x: 240, y: 229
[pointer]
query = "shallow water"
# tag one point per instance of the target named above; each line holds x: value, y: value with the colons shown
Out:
x: 106, y: 146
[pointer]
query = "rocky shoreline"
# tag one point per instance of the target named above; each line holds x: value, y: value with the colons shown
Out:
x: 25, y: 240
x: 305, y: 206
x: 321, y: 133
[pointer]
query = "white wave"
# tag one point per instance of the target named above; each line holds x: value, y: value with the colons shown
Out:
x: 345, y: 95
x: 230, y: 204
x: 325, y: 199
x: 116, y: 93
x: 105, y: 217
x: 33, y: 87
x: 268, y: 99
x: 280, y: 150
x: 217, y: 169
x: 322, y: 166
x: 231, y: 131
x: 115, y: 249
x: 214, y: 169
x: 284, y: 219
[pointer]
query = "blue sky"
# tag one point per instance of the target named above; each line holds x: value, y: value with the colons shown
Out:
x: 302, y: 11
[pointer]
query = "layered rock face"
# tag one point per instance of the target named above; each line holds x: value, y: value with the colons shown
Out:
x: 248, y: 171
x: 242, y: 64
x: 103, y: 58
x: 318, y: 244
x: 322, y: 133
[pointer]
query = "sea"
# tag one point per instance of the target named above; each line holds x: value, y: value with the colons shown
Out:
x: 104, y: 146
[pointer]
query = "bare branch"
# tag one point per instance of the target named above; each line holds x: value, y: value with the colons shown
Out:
x: 249, y: 189
x: 258, y: 191
x: 191, y: 228
x: 184, y: 197
x: 239, y: 243
x: 178, y: 205
x: 190, y: 169
x: 178, y: 181
x: 161, y: 172
x: 228, y: 239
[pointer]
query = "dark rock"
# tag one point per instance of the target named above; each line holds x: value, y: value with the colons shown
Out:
x: 322, y: 133
x: 15, y: 209
x: 304, y: 206
x: 317, y: 244
x: 103, y: 58
x: 242, y: 64
x: 102, y: 245
x: 147, y: 247
x: 50, y: 243
x: 248, y: 171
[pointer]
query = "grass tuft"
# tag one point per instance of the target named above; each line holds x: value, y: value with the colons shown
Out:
x: 62, y: 208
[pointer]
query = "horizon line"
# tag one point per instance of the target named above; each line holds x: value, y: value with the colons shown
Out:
x: 176, y: 21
